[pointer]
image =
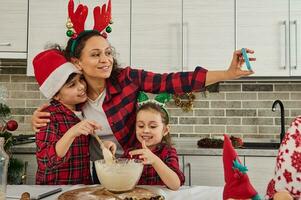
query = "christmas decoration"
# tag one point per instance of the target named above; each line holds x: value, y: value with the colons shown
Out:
x: 237, y: 183
x: 161, y: 100
x: 218, y: 143
x: 16, y: 166
x: 184, y: 101
x: 76, y: 21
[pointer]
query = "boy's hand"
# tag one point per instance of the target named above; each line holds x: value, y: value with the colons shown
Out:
x: 110, y: 145
x: 148, y: 157
x: 40, y: 118
x: 84, y: 127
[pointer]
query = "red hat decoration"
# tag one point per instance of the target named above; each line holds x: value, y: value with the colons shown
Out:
x: 237, y: 184
x: 76, y: 20
x: 51, y: 71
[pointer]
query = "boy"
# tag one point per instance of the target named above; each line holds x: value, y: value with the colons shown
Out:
x: 62, y: 146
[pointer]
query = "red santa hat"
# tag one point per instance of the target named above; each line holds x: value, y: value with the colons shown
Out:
x: 237, y: 185
x: 52, y: 70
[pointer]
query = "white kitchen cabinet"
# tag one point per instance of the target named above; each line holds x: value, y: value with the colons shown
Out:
x: 13, y: 23
x: 208, y: 33
x: 295, y: 33
x: 47, y: 21
x: 156, y: 35
x: 260, y: 171
x: 204, y: 170
x: 269, y: 28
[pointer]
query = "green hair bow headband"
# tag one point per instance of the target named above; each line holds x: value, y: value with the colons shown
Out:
x: 160, y: 99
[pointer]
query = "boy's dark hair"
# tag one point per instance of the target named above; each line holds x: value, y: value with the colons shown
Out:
x: 165, y: 119
x: 81, y: 42
x: 71, y: 76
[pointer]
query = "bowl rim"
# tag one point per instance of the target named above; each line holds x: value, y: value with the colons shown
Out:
x: 121, y: 159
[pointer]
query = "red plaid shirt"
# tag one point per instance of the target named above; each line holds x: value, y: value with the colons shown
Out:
x: 74, y: 167
x: 169, y: 156
x: 120, y: 103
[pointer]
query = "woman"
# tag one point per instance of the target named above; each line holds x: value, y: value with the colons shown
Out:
x: 112, y: 92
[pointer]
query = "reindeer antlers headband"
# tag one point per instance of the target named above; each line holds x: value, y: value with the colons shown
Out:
x: 160, y: 99
x: 76, y: 21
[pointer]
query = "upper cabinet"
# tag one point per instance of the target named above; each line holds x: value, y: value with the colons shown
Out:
x: 270, y: 27
x: 156, y: 35
x: 295, y: 33
x: 46, y: 27
x: 13, y: 23
x: 208, y: 33
x: 47, y: 21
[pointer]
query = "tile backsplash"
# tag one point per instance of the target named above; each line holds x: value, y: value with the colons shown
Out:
x: 241, y: 108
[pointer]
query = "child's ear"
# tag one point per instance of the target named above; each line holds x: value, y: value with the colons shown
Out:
x: 77, y: 63
x: 166, y: 130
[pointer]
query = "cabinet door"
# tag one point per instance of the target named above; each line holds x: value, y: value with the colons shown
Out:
x: 13, y: 23
x: 264, y: 27
x: 295, y: 39
x: 260, y: 171
x: 204, y: 170
x: 156, y: 43
x: 209, y: 37
x: 31, y: 168
x: 47, y: 21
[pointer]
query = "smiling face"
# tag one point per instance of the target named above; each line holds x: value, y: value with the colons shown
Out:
x: 150, y: 127
x: 96, y: 59
x: 73, y: 92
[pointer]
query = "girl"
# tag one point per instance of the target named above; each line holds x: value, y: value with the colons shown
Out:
x: 160, y: 158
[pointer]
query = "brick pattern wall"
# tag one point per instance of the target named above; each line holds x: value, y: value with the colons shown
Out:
x: 241, y: 108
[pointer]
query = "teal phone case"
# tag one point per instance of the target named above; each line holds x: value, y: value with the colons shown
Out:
x: 246, y: 58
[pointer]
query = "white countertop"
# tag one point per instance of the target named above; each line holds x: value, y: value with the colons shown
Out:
x: 183, y: 146
x: 185, y: 192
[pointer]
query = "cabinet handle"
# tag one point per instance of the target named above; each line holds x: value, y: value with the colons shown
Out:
x: 296, y: 42
x: 285, y: 44
x: 5, y: 44
x: 189, y: 172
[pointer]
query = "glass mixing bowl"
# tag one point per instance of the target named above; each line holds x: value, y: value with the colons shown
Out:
x: 120, y: 176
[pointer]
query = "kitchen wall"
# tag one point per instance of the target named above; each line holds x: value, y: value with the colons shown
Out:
x: 241, y: 108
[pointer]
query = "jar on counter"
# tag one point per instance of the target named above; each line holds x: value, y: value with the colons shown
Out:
x: 4, y: 159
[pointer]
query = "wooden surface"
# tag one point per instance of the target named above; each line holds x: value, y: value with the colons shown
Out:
x: 99, y: 193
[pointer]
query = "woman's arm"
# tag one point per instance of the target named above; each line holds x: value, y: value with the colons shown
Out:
x: 40, y: 118
x: 182, y: 82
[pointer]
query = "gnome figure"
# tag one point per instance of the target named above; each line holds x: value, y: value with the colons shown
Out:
x: 237, y: 183
x: 286, y: 183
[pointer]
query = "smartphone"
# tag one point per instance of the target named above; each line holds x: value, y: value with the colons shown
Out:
x: 246, y: 58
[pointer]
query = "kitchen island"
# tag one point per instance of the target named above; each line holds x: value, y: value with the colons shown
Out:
x: 185, y: 192
x: 201, y: 166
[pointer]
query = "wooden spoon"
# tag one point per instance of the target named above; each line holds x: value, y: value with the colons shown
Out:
x: 107, y: 154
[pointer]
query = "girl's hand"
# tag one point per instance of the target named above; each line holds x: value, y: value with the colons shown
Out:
x: 40, y: 118
x: 148, y: 157
x: 84, y: 127
x: 235, y: 71
x: 110, y: 145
